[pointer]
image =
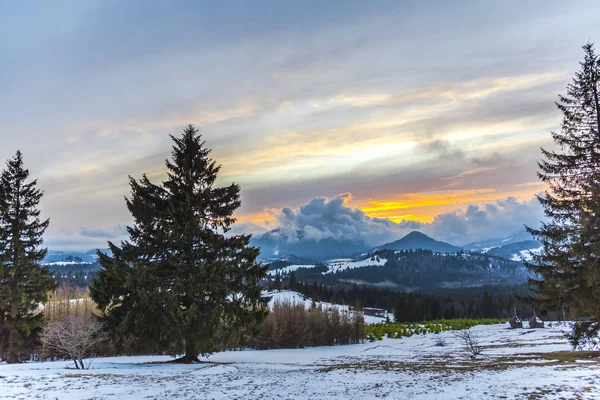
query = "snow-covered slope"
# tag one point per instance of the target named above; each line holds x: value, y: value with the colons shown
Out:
x: 485, y: 245
x: 334, y: 265
x: 289, y: 268
x: 288, y: 296
x: 527, y: 255
x: 343, y: 264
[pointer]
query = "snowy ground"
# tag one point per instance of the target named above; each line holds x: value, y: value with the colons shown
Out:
x: 522, y: 364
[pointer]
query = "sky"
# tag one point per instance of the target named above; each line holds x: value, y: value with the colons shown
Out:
x: 403, y: 115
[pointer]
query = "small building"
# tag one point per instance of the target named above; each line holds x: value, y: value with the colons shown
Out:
x: 375, y: 312
x: 515, y: 322
x: 535, y: 322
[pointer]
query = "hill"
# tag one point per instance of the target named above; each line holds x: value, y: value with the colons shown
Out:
x: 419, y: 241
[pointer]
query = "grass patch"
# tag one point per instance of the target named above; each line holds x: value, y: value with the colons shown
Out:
x: 517, y: 345
x: 75, y: 376
x: 448, y: 364
x: 571, y: 356
x: 397, y: 330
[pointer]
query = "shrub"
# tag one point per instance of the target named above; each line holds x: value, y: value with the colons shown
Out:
x: 440, y: 341
x: 470, y: 342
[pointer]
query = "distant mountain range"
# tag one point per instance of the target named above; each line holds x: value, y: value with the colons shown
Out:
x: 58, y: 257
x: 277, y: 244
x: 294, y: 248
x: 414, y: 261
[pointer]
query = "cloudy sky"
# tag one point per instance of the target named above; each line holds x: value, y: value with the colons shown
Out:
x: 394, y: 111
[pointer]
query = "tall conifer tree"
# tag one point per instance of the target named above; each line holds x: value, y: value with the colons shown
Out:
x: 568, y: 271
x: 179, y: 284
x: 24, y: 283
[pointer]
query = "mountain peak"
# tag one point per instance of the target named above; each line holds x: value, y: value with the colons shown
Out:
x: 418, y: 240
x: 416, y: 234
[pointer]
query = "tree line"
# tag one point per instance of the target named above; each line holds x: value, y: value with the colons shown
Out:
x: 498, y: 302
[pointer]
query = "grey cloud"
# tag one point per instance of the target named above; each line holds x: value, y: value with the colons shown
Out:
x: 110, y: 233
x: 491, y: 220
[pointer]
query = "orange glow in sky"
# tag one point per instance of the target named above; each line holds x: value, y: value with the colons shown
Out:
x: 422, y: 207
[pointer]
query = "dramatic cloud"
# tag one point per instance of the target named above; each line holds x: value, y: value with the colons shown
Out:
x: 332, y: 218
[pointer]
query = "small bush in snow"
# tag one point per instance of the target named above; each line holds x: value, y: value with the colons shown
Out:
x: 470, y: 341
x: 440, y: 341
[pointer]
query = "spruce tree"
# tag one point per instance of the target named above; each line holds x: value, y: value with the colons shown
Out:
x: 567, y: 273
x: 178, y: 284
x: 24, y: 283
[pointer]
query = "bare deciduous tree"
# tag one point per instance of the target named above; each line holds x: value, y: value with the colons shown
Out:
x: 470, y: 341
x: 74, y: 337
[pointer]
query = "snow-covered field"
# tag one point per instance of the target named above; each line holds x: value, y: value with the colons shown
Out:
x: 523, y: 364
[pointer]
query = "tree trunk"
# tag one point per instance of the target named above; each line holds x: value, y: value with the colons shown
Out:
x: 191, y: 351
x: 4, y: 349
x: 12, y: 357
